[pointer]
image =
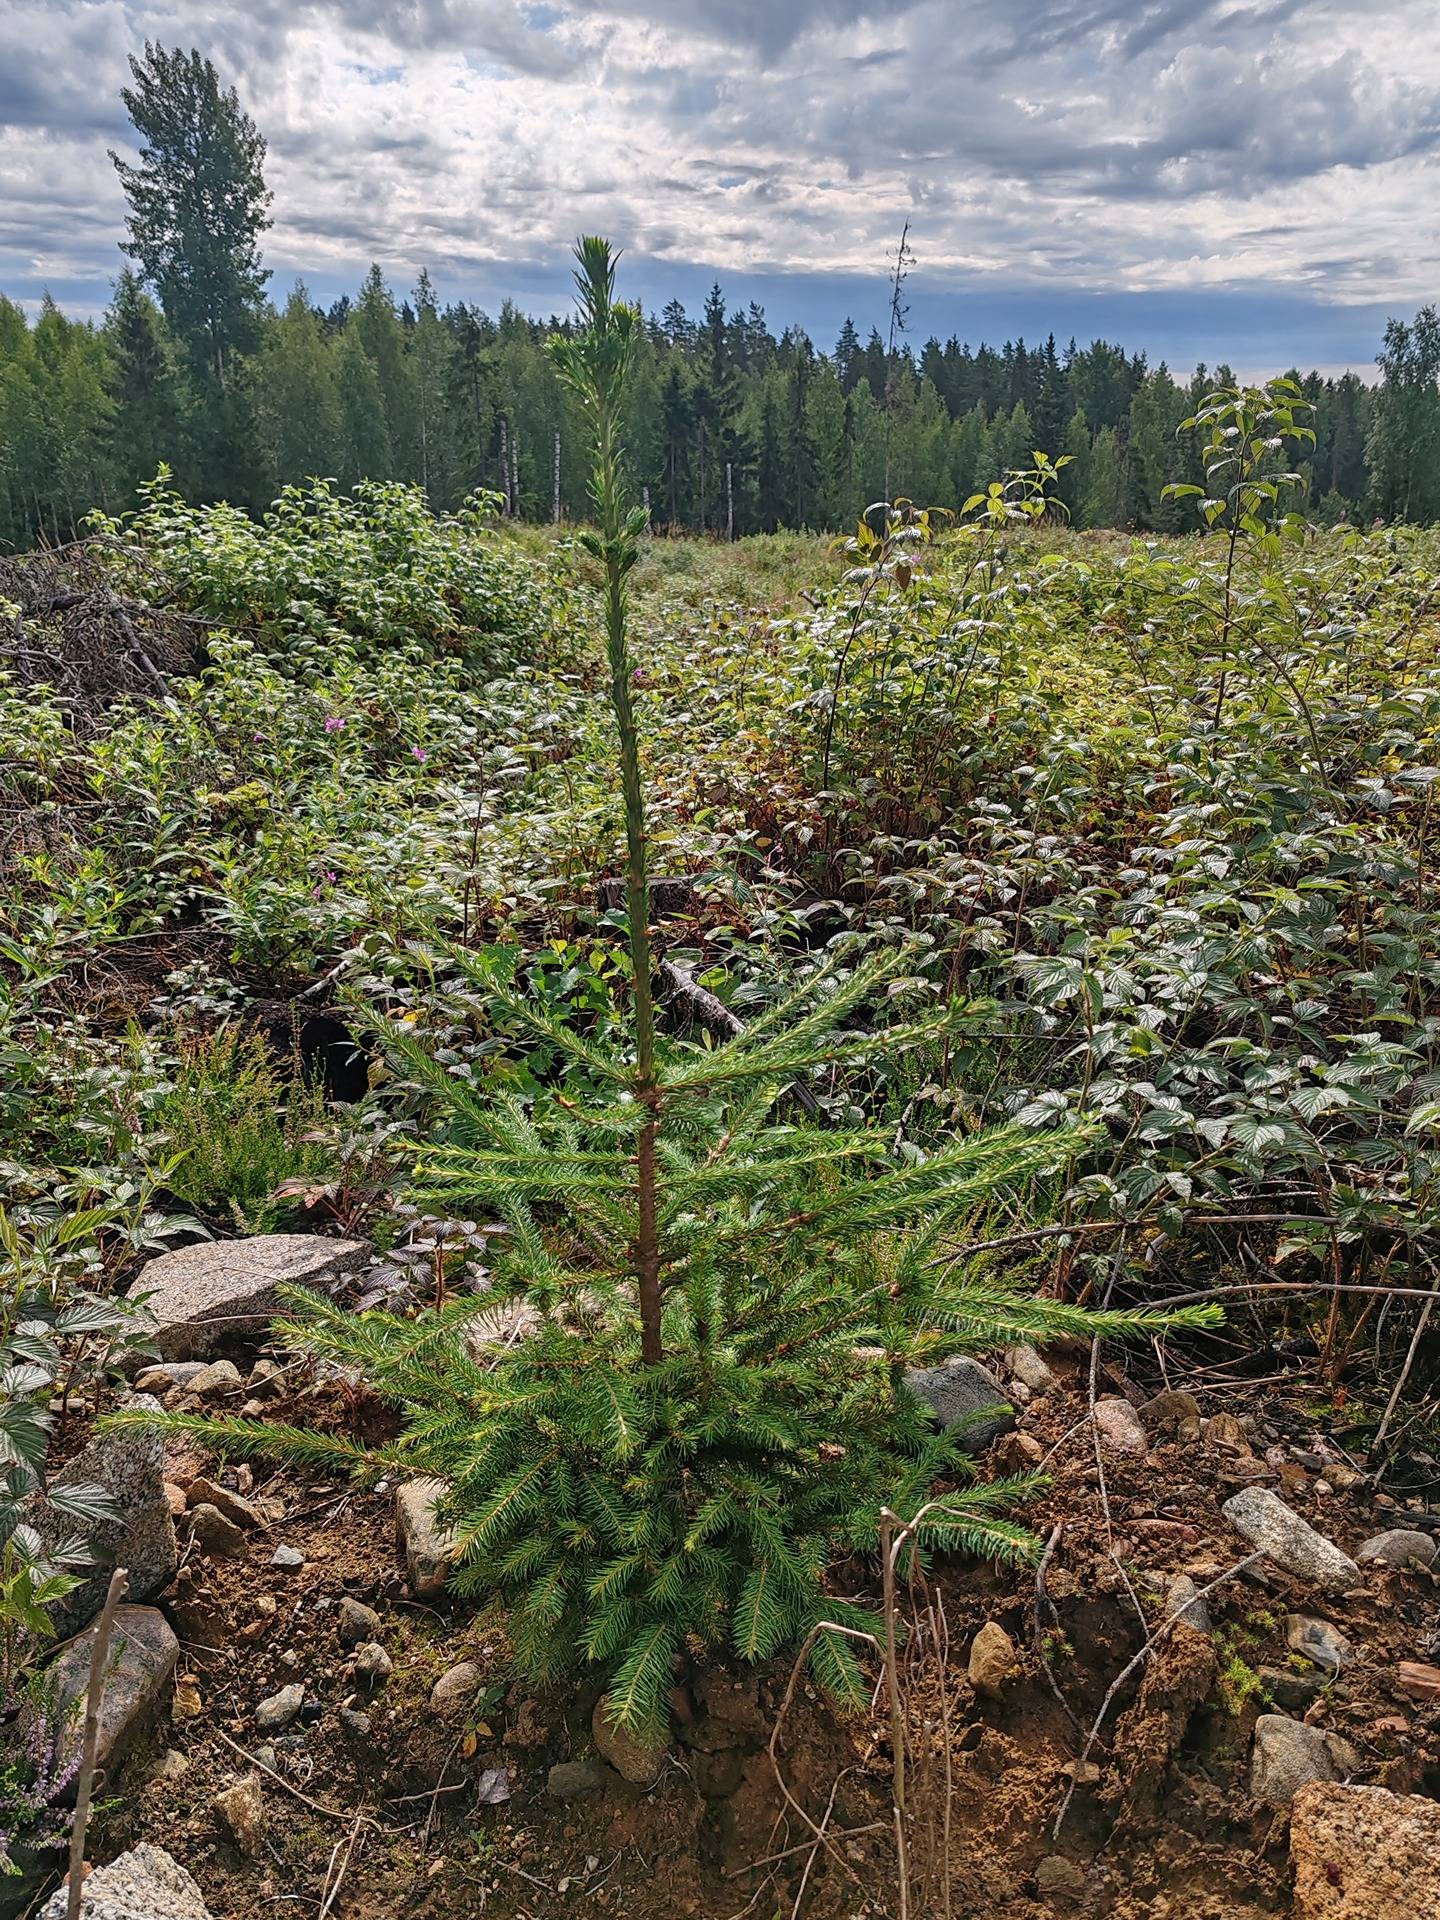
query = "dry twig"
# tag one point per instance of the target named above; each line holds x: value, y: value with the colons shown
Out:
x: 94, y: 1699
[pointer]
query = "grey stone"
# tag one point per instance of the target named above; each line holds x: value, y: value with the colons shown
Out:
x: 212, y: 1533
x: 178, y: 1373
x: 1183, y: 1598
x: 428, y: 1546
x: 1295, y: 1692
x: 1030, y: 1368
x: 221, y: 1290
x: 1400, y: 1547
x: 287, y: 1559
x: 1292, y: 1543
x: 1224, y: 1430
x: 356, y: 1623
x: 129, y: 1466
x: 172, y: 1765
x: 569, y: 1779
x: 456, y: 1688
x: 1319, y: 1642
x: 963, y: 1394
x: 992, y: 1659
x: 1285, y: 1756
x: 264, y: 1378
x: 144, y: 1884
x: 280, y: 1708
x: 1342, y: 1476
x: 633, y: 1761
x: 143, y: 1653
x: 1120, y: 1428
x: 217, y: 1381
x: 355, y: 1722
x: 373, y: 1664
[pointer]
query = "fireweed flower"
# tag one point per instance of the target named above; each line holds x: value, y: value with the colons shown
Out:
x: 334, y: 722
x: 420, y: 754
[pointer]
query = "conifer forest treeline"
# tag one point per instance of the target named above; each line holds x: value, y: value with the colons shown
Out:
x: 733, y: 428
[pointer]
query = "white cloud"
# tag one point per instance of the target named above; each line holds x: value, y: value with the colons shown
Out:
x: 1147, y: 145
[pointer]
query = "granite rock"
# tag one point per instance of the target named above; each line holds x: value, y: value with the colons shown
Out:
x: 129, y: 1466
x: 1363, y: 1853
x: 144, y: 1884
x: 1292, y: 1543
x: 428, y: 1545
x: 143, y: 1654
x: 225, y: 1290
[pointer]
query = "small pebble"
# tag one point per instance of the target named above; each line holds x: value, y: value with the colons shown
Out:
x: 1120, y: 1428
x: 373, y: 1663
x: 241, y: 1809
x: 356, y: 1623
x: 280, y: 1708
x: 220, y: 1377
x: 456, y: 1688
x: 288, y: 1559
x: 213, y: 1534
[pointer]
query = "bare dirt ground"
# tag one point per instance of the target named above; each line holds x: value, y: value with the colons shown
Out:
x: 415, y: 1811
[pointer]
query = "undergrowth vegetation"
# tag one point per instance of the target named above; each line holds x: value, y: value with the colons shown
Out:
x: 1072, y: 896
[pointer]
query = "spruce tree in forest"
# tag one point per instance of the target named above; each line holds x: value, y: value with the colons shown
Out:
x: 364, y: 433
x: 1103, y: 503
x: 198, y: 203
x: 1404, y: 445
x: 298, y: 395
x: 146, y: 388
x: 847, y: 357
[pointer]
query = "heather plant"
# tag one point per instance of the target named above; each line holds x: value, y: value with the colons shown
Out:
x: 39, y: 1763
x: 246, y: 1148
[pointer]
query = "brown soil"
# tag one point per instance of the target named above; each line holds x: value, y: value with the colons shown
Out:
x: 1160, y: 1825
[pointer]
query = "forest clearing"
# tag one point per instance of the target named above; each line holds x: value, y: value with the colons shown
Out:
x: 723, y: 1229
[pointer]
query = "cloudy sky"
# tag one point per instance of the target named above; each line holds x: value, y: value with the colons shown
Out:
x: 1247, y: 179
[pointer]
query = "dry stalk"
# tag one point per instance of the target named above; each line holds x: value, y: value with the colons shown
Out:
x: 1404, y: 1374
x: 331, y: 1891
x: 94, y: 1699
x: 821, y: 1626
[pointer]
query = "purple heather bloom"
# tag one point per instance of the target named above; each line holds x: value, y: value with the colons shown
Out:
x: 334, y: 722
x: 420, y: 754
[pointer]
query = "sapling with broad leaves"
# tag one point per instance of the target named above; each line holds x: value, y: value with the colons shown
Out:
x: 709, y: 1406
